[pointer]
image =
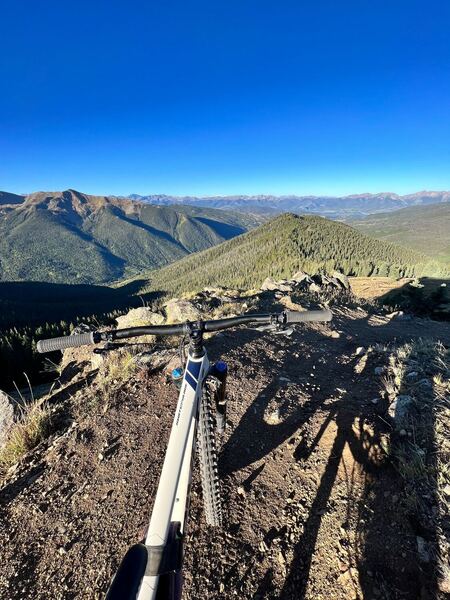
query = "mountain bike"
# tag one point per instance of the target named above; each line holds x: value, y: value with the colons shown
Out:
x: 151, y: 570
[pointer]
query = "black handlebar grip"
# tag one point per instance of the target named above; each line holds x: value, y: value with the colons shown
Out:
x: 308, y: 316
x: 69, y: 341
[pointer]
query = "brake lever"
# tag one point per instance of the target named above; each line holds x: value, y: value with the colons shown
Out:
x: 109, y: 346
x: 276, y: 329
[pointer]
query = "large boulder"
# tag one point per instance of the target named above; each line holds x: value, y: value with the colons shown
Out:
x: 6, y: 416
x: 300, y: 276
x: 315, y: 288
x: 269, y: 284
x: 343, y: 279
x: 290, y: 304
x: 137, y: 317
x: 179, y: 311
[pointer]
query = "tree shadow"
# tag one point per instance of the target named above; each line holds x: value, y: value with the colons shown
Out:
x: 429, y: 296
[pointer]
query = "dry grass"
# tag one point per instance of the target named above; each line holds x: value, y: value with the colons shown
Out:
x: 33, y: 426
x: 374, y: 287
x: 118, y: 368
x: 422, y: 454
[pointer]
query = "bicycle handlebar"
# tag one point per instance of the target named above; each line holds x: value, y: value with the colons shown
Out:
x: 286, y: 317
x: 69, y: 341
x: 308, y: 316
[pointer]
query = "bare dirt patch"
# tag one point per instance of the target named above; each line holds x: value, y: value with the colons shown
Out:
x: 374, y: 287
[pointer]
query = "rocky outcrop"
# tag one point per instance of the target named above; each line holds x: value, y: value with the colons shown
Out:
x: 302, y: 282
x: 137, y: 317
x: 6, y: 416
x: 179, y: 310
x: 269, y: 284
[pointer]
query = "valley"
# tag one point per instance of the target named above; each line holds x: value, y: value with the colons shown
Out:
x: 423, y: 228
x: 70, y: 237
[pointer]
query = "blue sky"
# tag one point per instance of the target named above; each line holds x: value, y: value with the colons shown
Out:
x: 224, y: 97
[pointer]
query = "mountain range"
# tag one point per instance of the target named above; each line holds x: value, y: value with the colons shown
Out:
x: 72, y: 237
x: 76, y: 238
x: 334, y: 207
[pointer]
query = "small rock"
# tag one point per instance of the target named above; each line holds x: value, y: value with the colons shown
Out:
x: 378, y: 370
x: 399, y: 408
x: 411, y: 375
x: 97, y: 360
x: 274, y: 417
x: 62, y: 550
x: 241, y: 491
x: 6, y: 416
x: 422, y: 550
x: 374, y: 400
x: 425, y: 383
x: 444, y: 583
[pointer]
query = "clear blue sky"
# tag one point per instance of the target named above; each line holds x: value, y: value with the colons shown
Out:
x: 225, y: 96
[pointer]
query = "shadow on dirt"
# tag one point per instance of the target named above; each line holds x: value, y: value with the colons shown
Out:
x: 410, y: 489
x: 381, y: 559
x: 426, y: 297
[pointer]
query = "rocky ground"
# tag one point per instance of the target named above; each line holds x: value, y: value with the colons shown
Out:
x: 314, y: 503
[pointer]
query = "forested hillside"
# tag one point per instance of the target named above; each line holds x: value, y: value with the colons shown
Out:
x: 423, y: 228
x: 69, y: 237
x: 284, y: 245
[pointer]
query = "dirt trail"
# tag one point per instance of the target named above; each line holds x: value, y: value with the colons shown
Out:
x: 309, y: 497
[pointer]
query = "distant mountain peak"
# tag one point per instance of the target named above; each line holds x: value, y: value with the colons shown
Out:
x: 335, y: 207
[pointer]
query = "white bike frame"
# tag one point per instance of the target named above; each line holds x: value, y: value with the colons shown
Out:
x: 171, y: 502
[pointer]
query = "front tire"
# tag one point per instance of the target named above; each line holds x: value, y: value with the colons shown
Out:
x: 207, y: 452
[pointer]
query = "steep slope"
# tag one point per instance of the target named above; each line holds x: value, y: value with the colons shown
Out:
x: 69, y: 237
x: 423, y: 228
x: 284, y: 245
x: 356, y: 205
